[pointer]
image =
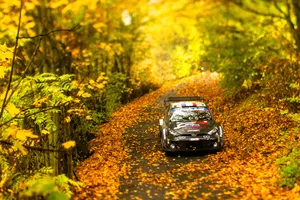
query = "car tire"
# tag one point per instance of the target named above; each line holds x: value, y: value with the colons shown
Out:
x: 222, y: 143
x: 163, y: 143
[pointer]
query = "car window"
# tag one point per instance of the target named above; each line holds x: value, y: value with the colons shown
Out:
x: 182, y: 114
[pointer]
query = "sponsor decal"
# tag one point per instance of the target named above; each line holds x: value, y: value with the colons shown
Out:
x: 193, y: 130
x: 192, y: 126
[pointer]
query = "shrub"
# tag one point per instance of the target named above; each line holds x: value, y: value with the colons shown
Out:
x: 289, y: 167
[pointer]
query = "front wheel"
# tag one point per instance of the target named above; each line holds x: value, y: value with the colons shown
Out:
x: 163, y: 143
x: 221, y: 142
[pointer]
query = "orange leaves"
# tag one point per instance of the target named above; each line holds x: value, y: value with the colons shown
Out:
x: 252, y: 135
x: 102, y: 171
x: 245, y: 169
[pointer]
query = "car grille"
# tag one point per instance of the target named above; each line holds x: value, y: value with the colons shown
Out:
x: 195, y: 145
x: 190, y: 134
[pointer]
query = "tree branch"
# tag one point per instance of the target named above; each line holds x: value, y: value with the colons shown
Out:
x: 36, y: 148
x: 53, y: 31
x: 13, y: 61
x: 241, y: 5
x: 287, y: 15
x: 24, y: 73
x: 43, y: 110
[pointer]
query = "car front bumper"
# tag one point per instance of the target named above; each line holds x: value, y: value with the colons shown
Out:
x: 190, y: 145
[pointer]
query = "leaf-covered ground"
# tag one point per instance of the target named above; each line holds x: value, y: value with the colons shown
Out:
x: 127, y: 163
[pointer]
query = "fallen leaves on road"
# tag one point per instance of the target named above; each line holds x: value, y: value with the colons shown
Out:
x: 245, y: 169
x: 101, y: 172
x: 253, y: 142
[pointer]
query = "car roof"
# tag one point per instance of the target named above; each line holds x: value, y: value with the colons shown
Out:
x: 182, y: 104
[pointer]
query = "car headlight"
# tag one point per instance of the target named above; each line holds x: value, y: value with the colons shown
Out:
x: 213, y: 131
x: 173, y: 132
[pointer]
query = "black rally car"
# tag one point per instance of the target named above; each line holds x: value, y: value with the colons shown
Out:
x: 188, y: 125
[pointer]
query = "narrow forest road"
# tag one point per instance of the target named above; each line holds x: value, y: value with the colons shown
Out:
x: 128, y: 163
x: 152, y: 174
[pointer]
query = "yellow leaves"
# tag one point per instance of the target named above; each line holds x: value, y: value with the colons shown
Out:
x: 53, y: 90
x: 29, y: 25
x: 91, y: 82
x: 75, y: 84
x: 74, y: 7
x: 58, y: 3
x: 85, y: 89
x: 86, y: 95
x: 88, y: 117
x: 296, y: 188
x: 31, y: 4
x: 105, y: 46
x: 20, y: 147
x: 2, y: 72
x: 83, y: 94
x: 100, y: 85
x: 23, y: 135
x: 12, y: 109
x: 6, y: 54
x: 99, y: 26
x: 11, y: 131
x: 69, y: 144
x: 39, y: 102
x: 80, y: 92
x: 76, y: 100
x: 101, y: 78
x: 18, y: 134
x: 67, y: 119
x: 45, y: 132
x: 247, y: 84
x: 76, y: 111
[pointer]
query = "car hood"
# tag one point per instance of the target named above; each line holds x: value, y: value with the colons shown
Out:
x: 191, y: 127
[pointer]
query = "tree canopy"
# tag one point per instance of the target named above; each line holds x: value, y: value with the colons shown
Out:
x: 67, y: 66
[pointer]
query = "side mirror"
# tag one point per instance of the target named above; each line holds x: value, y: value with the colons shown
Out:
x: 161, y: 122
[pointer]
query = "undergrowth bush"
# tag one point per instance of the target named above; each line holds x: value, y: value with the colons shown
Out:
x: 289, y: 167
x: 52, y: 112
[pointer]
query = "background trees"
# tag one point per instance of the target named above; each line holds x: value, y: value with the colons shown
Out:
x: 74, y: 67
x: 77, y: 61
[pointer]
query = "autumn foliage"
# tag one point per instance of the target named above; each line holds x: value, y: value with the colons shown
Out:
x: 82, y: 84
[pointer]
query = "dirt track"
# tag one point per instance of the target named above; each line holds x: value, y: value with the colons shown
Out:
x: 154, y: 175
x: 128, y: 163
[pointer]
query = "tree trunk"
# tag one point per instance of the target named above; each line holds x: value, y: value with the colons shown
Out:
x: 296, y: 5
x: 54, y: 144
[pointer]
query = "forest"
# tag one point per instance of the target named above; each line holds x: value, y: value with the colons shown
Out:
x: 81, y: 84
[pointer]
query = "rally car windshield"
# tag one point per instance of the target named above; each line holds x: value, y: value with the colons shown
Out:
x: 188, y: 116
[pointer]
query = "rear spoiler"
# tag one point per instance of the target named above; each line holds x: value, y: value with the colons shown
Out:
x: 175, y: 99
